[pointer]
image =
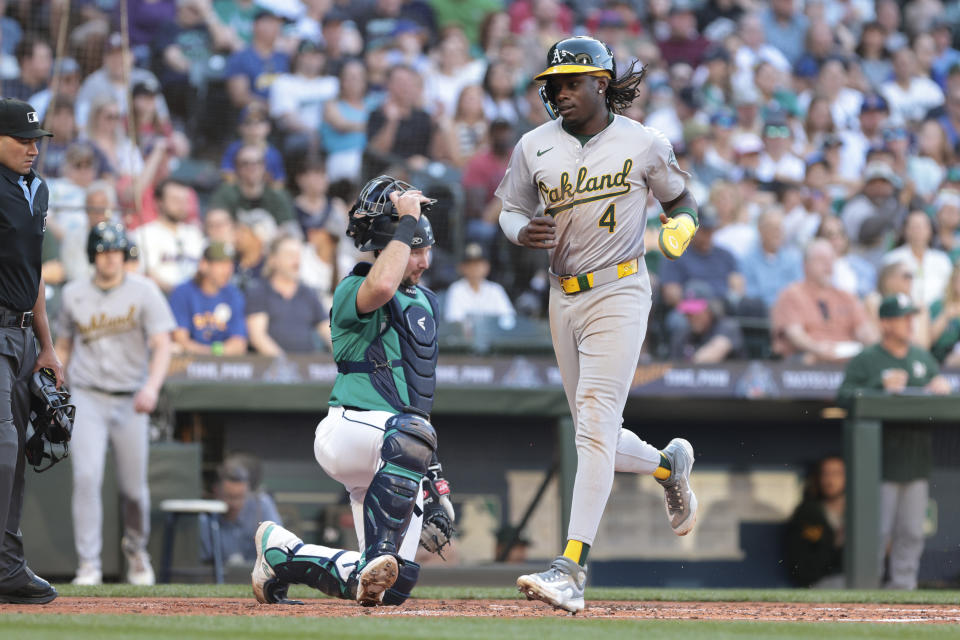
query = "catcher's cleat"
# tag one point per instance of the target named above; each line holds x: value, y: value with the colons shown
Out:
x: 561, y: 585
x: 680, y: 501
x: 376, y: 577
x: 272, y: 542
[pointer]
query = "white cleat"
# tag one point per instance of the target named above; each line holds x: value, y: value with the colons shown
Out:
x: 377, y: 576
x: 269, y: 535
x: 88, y: 575
x: 139, y: 569
x: 561, y: 585
x: 678, y: 496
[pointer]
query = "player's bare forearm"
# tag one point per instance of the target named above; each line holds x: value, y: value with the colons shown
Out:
x: 161, y: 347
x: 41, y: 329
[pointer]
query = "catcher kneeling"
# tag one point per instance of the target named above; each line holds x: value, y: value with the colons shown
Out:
x: 377, y: 438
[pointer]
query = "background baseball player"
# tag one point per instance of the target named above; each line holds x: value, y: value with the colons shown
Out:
x: 114, y: 336
x: 377, y: 439
x: 590, y: 170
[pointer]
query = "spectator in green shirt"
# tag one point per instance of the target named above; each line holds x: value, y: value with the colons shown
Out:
x: 251, y: 191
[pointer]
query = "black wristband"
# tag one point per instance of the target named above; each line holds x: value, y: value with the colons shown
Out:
x: 405, y: 230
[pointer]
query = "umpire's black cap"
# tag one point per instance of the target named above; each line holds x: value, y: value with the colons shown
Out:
x: 20, y: 120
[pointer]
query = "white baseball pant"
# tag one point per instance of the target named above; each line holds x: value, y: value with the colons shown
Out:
x: 597, y: 336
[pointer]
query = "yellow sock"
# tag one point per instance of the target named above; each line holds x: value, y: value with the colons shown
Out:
x: 663, y: 471
x: 577, y: 551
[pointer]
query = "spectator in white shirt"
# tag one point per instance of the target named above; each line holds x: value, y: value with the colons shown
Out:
x: 473, y: 294
x: 777, y: 162
x: 910, y: 95
x: 931, y: 267
x: 170, y: 247
x: 297, y: 99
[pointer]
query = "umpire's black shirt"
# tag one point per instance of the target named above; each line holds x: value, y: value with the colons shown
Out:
x: 23, y: 213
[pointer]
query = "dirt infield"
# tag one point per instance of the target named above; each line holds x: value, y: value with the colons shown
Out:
x: 771, y: 611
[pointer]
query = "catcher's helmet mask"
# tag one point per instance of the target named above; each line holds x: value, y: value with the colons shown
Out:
x: 373, y: 219
x: 51, y: 421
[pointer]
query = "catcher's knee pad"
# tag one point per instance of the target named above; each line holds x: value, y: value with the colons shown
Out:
x: 408, y: 446
x: 314, y: 571
x: 406, y: 580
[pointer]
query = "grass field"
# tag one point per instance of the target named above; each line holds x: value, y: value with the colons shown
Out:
x: 39, y: 626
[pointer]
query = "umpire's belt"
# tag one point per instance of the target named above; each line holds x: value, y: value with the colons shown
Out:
x: 578, y: 284
x: 14, y: 319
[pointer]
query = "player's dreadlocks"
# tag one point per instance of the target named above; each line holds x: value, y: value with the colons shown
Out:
x: 622, y: 91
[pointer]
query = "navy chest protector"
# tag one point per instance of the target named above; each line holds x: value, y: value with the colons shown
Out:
x: 416, y: 329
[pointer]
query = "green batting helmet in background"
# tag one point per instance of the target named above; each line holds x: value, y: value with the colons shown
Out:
x: 107, y: 236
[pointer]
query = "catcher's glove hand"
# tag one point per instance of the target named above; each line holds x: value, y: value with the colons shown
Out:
x: 675, y: 235
x: 438, y: 514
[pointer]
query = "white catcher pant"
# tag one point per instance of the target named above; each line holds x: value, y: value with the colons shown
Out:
x: 597, y: 337
x: 347, y: 445
x: 103, y: 418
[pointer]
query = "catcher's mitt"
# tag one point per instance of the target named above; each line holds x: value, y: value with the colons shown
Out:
x: 438, y: 513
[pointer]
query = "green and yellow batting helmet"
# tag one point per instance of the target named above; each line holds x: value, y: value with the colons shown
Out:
x: 580, y: 54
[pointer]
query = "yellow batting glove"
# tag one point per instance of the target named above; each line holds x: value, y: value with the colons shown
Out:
x: 675, y: 235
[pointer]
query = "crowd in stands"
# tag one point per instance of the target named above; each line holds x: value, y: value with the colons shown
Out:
x: 231, y: 136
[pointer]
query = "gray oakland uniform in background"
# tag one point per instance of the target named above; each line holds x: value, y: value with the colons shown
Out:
x: 597, y: 193
x: 110, y: 331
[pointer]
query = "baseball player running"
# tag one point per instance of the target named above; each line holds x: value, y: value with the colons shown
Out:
x: 376, y: 439
x: 114, y: 337
x: 590, y: 170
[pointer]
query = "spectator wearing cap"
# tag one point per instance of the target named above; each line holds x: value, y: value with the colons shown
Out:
x: 877, y: 200
x: 705, y: 262
x: 113, y: 79
x: 708, y: 336
x: 247, y: 506
x: 776, y: 162
x: 344, y: 128
x: 297, y: 99
x: 182, y: 46
x: 683, y: 43
x: 251, y: 191
x: 68, y: 219
x: 399, y: 129
x: 874, y: 113
x: 895, y: 366
x: 209, y: 310
x: 481, y: 177
x: 931, y: 266
x: 35, y: 59
x: 772, y: 265
x: 170, y: 246
x: 253, y: 232
x: 252, y: 70
x: 813, y: 321
x: 64, y: 85
x: 254, y: 132
x: 927, y: 164
x: 473, y: 294
x: 910, y: 94
x: 720, y: 154
x: 283, y: 315
x: 785, y: 28
x: 946, y: 208
x: 747, y: 147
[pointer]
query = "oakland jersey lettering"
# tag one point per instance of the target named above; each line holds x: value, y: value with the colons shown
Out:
x: 611, y: 185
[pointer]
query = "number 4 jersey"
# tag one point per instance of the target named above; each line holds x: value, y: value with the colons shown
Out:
x: 596, y: 190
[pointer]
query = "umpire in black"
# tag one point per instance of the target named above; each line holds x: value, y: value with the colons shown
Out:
x: 23, y: 324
